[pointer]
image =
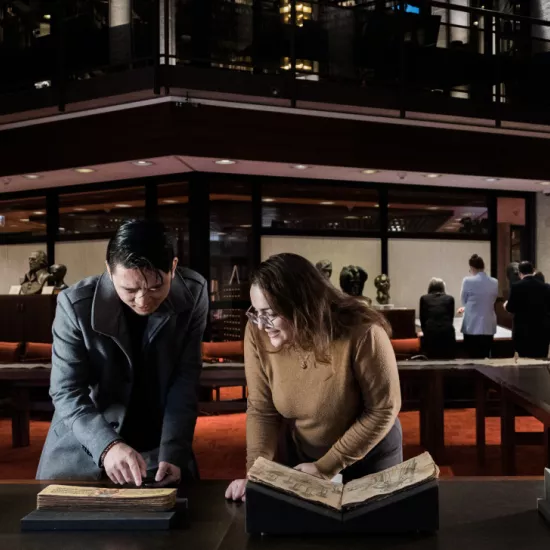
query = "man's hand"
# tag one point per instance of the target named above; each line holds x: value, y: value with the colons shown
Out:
x: 460, y: 310
x: 124, y: 465
x: 236, y: 490
x: 309, y: 468
x: 167, y: 474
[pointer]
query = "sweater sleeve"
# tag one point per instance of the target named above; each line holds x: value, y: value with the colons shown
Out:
x: 262, y: 419
x: 375, y: 369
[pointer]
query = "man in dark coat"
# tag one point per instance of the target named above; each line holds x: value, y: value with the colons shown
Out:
x: 126, y: 364
x: 529, y: 301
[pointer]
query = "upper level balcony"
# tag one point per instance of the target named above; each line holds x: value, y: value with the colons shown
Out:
x: 420, y: 59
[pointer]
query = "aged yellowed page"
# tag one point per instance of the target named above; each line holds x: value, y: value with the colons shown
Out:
x: 296, y: 483
x: 70, y: 491
x: 415, y: 471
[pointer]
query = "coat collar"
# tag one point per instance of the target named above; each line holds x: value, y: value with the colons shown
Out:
x: 108, y: 315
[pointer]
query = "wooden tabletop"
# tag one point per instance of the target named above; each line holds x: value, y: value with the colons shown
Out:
x: 481, y: 514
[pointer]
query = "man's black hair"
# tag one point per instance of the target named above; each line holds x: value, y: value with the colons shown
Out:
x: 526, y: 268
x: 141, y: 244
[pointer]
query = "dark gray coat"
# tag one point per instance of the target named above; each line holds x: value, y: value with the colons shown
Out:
x: 92, y: 372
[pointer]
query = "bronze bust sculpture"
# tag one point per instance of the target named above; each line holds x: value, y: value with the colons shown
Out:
x: 325, y: 267
x: 57, y: 276
x: 352, y: 280
x: 382, y: 284
x: 38, y: 274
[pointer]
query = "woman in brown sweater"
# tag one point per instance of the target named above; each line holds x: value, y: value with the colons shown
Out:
x: 322, y: 377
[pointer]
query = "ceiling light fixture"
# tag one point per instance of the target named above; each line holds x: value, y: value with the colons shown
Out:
x: 143, y: 163
x: 433, y: 207
x: 268, y: 200
x: 123, y: 205
x: 32, y: 176
x: 300, y: 167
x: 369, y: 172
x: 545, y: 183
x: 433, y: 176
x: 24, y: 220
x: 225, y: 162
x: 327, y: 203
x: 491, y: 179
x: 84, y: 170
x: 79, y: 209
x: 169, y: 201
x: 47, y: 16
x: 39, y: 213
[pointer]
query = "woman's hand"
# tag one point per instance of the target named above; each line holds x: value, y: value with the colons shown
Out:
x: 460, y: 310
x: 309, y: 468
x: 236, y: 490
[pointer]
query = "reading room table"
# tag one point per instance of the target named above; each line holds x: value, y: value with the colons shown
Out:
x: 475, y: 513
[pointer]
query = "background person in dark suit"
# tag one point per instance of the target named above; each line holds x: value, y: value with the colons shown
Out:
x: 437, y: 311
x: 530, y: 303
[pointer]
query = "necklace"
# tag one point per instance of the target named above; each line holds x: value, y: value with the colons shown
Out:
x: 303, y: 358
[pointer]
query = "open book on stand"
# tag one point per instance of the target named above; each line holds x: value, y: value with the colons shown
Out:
x: 401, y: 489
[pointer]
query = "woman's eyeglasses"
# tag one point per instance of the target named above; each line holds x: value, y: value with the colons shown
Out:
x: 257, y: 318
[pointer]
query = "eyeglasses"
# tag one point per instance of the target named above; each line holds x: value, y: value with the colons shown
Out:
x: 257, y: 318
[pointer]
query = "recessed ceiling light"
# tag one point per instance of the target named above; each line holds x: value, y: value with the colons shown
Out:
x: 545, y: 183
x: 369, y: 172
x: 32, y: 176
x: 326, y: 203
x: 351, y: 218
x: 225, y: 162
x: 491, y: 179
x: 47, y: 16
x: 39, y: 213
x: 169, y: 201
x: 300, y: 167
x: 376, y: 205
x: 432, y: 176
x: 123, y: 205
x: 433, y: 207
x: 84, y: 170
x: 246, y: 226
x: 268, y: 200
x: 79, y: 209
x: 142, y: 163
x: 24, y: 220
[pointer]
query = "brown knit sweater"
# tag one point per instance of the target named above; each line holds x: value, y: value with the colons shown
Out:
x: 340, y: 410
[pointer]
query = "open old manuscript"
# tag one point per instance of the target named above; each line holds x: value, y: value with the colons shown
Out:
x: 411, y: 473
x: 57, y: 497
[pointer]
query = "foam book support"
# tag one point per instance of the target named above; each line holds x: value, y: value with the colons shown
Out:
x: 402, y: 499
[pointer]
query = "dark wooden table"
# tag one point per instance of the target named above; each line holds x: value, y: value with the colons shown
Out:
x: 481, y: 514
x: 525, y: 387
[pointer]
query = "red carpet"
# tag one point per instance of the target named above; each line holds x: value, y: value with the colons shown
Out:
x: 220, y: 446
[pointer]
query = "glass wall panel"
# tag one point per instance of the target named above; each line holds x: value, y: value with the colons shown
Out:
x: 300, y: 205
x: 415, y: 211
x: 100, y: 212
x: 341, y: 252
x: 231, y: 257
x: 22, y: 217
x: 413, y: 262
x: 512, y: 238
x: 173, y: 212
x: 82, y: 258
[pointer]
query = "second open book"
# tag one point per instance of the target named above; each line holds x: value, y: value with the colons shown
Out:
x: 411, y: 473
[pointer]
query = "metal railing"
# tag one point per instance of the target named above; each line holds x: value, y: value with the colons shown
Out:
x: 429, y: 55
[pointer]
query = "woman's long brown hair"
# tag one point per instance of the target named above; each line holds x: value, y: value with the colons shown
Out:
x: 317, y: 311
